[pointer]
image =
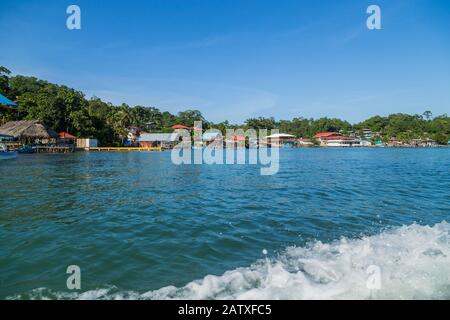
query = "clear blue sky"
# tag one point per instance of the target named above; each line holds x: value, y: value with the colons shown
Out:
x: 239, y: 59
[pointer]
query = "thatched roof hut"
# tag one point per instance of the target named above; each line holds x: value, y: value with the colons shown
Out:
x: 25, y: 130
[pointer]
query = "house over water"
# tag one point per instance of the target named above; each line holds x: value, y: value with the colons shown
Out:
x: 27, y: 132
x: 212, y: 137
x: 280, y: 140
x: 304, y: 142
x: 163, y: 140
x: 426, y: 142
x: 336, y: 139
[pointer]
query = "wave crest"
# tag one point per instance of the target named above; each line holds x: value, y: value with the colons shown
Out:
x: 413, y: 263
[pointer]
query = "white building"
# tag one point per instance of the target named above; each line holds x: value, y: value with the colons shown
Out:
x: 335, y: 139
x: 302, y: 142
x: 280, y: 140
x: 342, y: 142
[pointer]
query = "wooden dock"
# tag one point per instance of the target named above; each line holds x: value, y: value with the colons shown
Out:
x: 158, y: 149
x: 54, y: 149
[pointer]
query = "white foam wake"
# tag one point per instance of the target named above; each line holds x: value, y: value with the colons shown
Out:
x: 413, y: 263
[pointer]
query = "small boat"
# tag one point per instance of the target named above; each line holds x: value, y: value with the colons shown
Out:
x: 28, y: 149
x: 5, y: 154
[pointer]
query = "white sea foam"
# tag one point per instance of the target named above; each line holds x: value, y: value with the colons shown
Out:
x: 414, y: 263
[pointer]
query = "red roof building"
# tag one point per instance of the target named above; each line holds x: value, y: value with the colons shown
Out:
x: 65, y: 135
x: 327, y: 135
x: 236, y: 138
x: 335, y: 139
x: 180, y: 126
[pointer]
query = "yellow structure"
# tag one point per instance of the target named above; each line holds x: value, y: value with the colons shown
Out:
x: 124, y: 149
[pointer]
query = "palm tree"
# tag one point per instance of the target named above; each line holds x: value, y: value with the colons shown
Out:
x: 428, y: 115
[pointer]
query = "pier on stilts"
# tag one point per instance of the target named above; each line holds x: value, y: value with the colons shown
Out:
x: 54, y: 149
x: 158, y: 149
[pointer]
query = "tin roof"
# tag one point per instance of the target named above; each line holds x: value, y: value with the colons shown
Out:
x: 326, y: 134
x: 158, y: 137
x: 280, y: 135
x: 180, y: 126
x: 208, y: 136
x: 4, y: 100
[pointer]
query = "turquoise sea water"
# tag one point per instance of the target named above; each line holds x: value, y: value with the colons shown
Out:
x: 140, y: 227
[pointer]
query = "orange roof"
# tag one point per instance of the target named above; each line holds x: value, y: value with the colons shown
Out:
x: 180, y: 126
x: 236, y: 138
x: 339, y: 138
x: 326, y: 134
x: 65, y: 135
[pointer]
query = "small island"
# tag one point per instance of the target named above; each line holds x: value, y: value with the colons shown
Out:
x: 45, y: 117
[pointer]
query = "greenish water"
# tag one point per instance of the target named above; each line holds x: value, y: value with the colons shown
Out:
x: 140, y: 227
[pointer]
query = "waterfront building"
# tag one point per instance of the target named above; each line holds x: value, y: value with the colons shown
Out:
x: 5, y: 152
x: 394, y: 142
x: 6, y: 143
x: 210, y: 137
x: 180, y: 126
x: 66, y: 139
x: 132, y: 136
x: 367, y: 134
x: 235, y: 141
x: 341, y: 141
x: 235, y: 138
x: 322, y: 137
x: 86, y: 143
x: 158, y: 140
x: 281, y: 140
x: 29, y: 132
x: 427, y: 142
x: 336, y: 139
x: 304, y: 142
x: 6, y: 138
x: 378, y: 142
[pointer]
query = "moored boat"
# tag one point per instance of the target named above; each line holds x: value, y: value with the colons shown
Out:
x: 5, y: 154
x: 28, y: 149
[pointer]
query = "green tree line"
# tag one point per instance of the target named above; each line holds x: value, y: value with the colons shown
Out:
x: 65, y: 109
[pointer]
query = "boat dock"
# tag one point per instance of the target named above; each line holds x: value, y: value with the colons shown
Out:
x: 54, y: 149
x: 158, y: 149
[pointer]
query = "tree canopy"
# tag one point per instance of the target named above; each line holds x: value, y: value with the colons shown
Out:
x: 66, y: 109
